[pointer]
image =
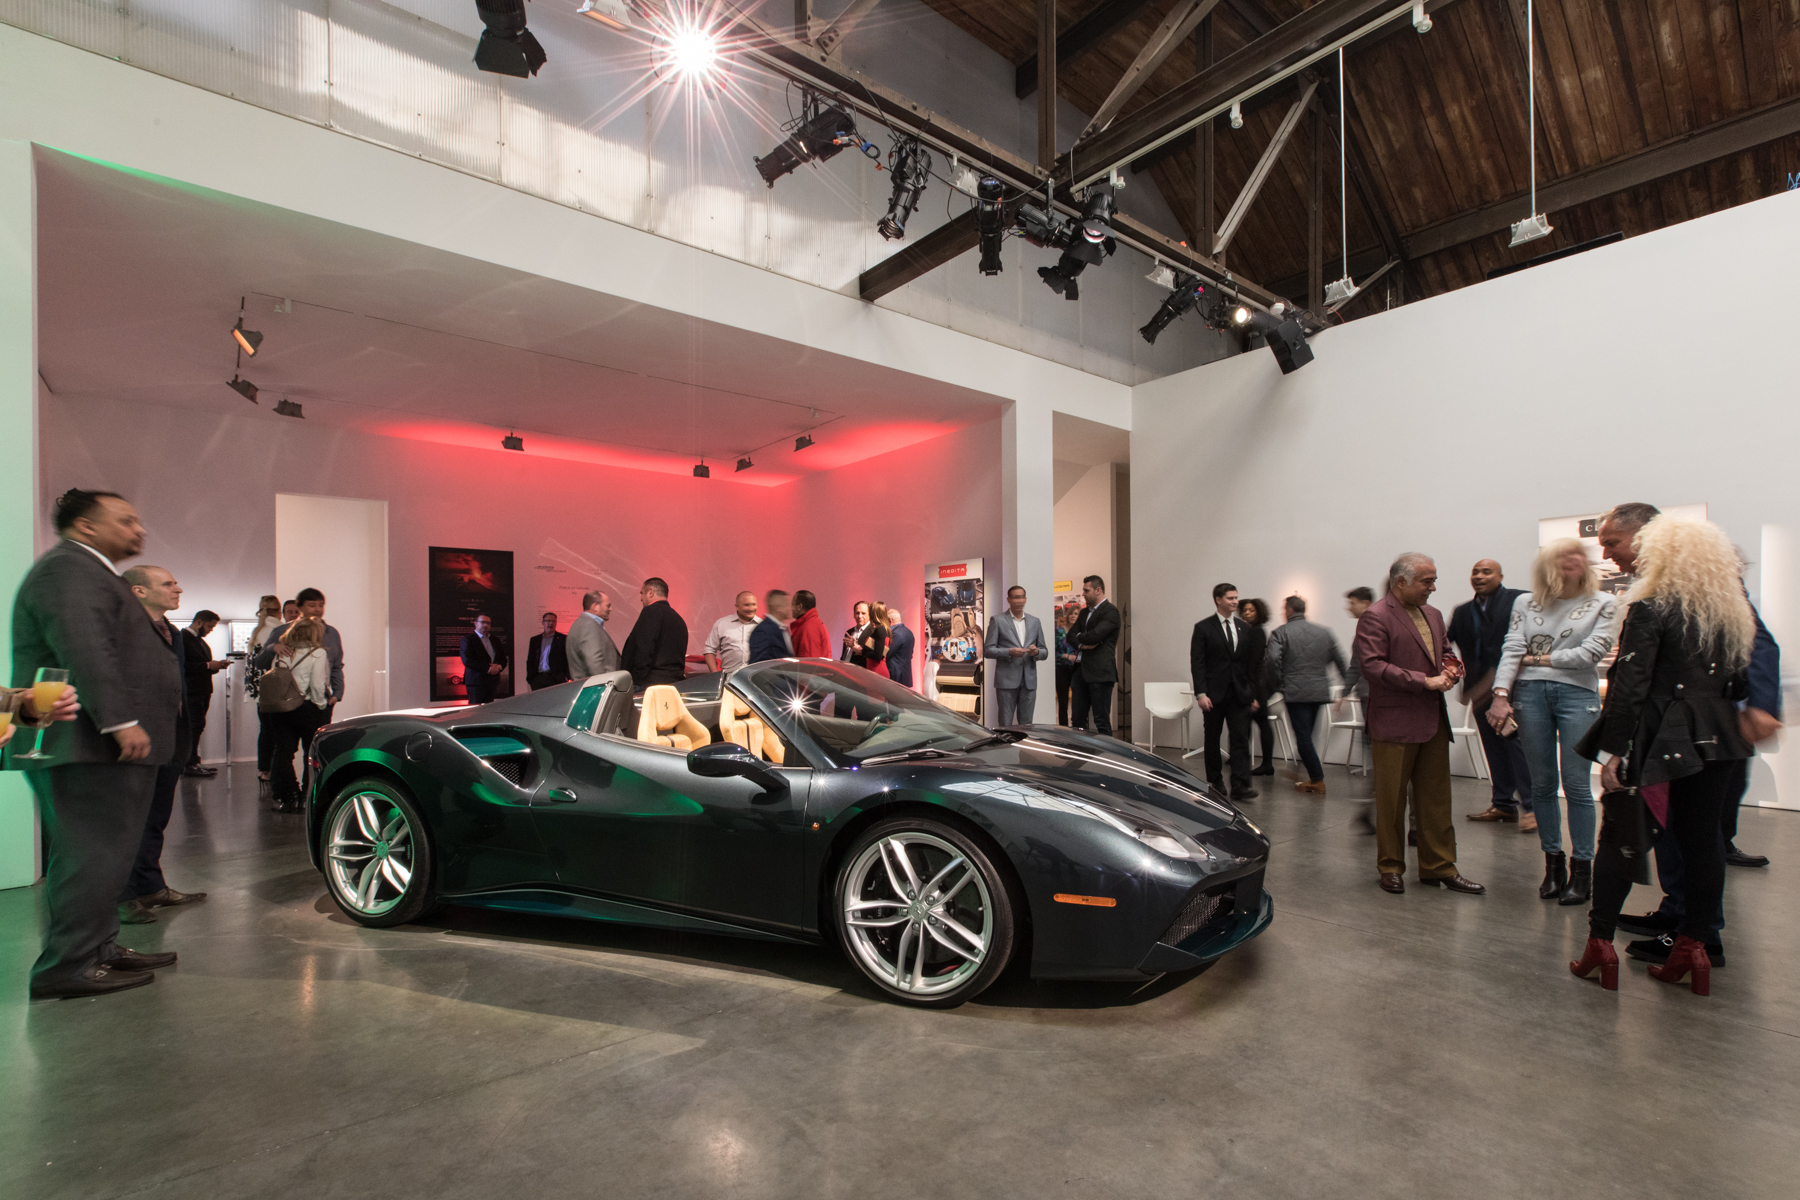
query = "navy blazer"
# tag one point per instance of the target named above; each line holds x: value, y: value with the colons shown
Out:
x: 900, y: 655
x: 1765, y: 670
x: 769, y: 640
x: 1466, y: 631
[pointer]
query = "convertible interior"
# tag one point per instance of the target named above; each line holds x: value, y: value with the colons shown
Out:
x: 696, y: 712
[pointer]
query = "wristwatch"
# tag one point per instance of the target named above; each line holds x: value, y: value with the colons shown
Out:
x: 1501, y: 693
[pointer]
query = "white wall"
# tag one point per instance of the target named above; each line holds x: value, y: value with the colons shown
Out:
x: 1656, y: 369
x: 1084, y: 528
x: 320, y: 538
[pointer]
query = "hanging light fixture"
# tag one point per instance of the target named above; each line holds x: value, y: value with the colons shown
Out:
x: 803, y: 441
x: 1339, y: 292
x: 512, y: 441
x: 242, y: 387
x: 247, y: 339
x: 744, y: 463
x: 1536, y: 225
x: 703, y: 471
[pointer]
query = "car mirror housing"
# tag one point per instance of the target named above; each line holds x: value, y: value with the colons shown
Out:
x: 720, y: 760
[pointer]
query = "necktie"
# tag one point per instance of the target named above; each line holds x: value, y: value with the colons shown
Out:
x: 1230, y: 632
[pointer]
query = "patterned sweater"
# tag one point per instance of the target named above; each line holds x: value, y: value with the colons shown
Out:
x: 1576, y: 634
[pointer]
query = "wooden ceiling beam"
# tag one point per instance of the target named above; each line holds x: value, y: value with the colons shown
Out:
x: 1757, y: 127
x: 1101, y: 22
x: 1277, y: 54
x: 953, y: 238
x: 1260, y: 173
x: 1182, y: 20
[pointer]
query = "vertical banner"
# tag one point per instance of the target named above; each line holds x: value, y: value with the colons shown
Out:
x: 955, y: 622
x: 463, y: 585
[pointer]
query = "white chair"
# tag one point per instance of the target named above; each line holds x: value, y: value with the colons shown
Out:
x: 1354, y: 723
x: 1465, y: 734
x: 1168, y: 702
x: 1285, y: 745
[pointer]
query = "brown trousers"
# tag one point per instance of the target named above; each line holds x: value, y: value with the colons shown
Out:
x: 1425, y: 769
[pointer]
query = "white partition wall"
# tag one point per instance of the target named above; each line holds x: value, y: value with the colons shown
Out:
x: 18, y: 463
x: 339, y: 546
x: 1654, y: 370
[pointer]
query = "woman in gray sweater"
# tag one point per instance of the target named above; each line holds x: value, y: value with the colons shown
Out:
x: 1560, y: 631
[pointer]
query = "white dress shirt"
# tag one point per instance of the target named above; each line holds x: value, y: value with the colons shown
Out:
x: 1018, y: 624
x: 729, y: 642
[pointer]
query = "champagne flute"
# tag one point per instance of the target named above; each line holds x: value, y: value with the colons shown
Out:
x: 46, y: 690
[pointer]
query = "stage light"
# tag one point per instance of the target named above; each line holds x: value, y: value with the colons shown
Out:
x: 803, y: 441
x: 512, y: 441
x: 1083, y: 245
x: 702, y: 472
x: 818, y: 137
x: 1340, y: 291
x: 242, y: 387
x: 1421, y: 20
x: 1237, y: 115
x: 990, y: 222
x: 506, y: 46
x: 744, y: 463
x: 1186, y: 294
x: 614, y: 14
x: 1287, y: 342
x: 1530, y: 229
x: 691, y: 51
x: 910, y: 164
x: 247, y: 339
x: 287, y: 408
x: 1240, y: 316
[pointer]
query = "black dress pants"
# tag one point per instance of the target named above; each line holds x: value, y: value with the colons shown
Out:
x: 1065, y: 672
x: 293, y: 731
x: 1260, y: 719
x: 93, y: 816
x: 146, y: 873
x: 1233, y: 717
x: 1095, y: 698
x: 197, y: 705
x: 1696, y: 806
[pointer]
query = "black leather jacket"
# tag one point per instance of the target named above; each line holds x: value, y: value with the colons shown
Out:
x: 1671, y: 706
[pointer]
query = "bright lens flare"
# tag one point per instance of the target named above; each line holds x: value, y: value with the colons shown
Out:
x: 693, y: 52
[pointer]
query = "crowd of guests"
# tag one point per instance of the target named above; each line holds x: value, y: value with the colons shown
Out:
x: 1692, y: 684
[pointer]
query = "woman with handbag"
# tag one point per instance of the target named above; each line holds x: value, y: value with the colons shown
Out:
x: 268, y: 620
x: 1671, y: 721
x: 293, y: 696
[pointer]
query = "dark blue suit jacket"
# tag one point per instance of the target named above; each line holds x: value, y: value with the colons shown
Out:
x: 1479, y: 640
x: 900, y: 655
x: 769, y: 640
x: 1765, y: 670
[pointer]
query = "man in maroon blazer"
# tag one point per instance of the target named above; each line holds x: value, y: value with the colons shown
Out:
x: 1400, y: 643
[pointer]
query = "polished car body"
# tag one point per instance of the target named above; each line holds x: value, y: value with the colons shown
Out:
x: 1095, y: 860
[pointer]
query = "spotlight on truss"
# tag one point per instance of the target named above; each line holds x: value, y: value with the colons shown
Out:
x: 1339, y: 291
x: 1530, y: 230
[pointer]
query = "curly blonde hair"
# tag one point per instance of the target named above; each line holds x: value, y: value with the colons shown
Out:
x: 1694, y: 564
x: 1547, y: 584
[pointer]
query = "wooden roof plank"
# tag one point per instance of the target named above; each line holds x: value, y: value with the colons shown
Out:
x: 1603, y: 82
x: 1762, y: 77
x: 1632, y: 29
x: 1559, y: 90
x: 1725, y: 39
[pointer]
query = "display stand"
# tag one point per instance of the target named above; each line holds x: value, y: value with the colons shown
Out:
x: 955, y: 620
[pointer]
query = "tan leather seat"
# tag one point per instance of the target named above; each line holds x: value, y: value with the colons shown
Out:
x: 666, y: 721
x: 739, y: 723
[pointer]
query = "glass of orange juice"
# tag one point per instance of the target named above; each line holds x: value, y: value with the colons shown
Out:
x: 46, y: 689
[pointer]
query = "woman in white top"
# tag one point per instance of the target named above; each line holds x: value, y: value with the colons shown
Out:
x: 312, y: 676
x: 1560, y: 631
x: 268, y: 620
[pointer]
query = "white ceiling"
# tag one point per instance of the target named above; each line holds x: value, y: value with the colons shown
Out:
x: 139, y: 281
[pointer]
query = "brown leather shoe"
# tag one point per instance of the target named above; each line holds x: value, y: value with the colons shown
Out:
x: 1390, y: 882
x: 1493, y: 814
x: 1317, y: 787
x: 95, y: 981
x: 136, y: 912
x: 1457, y: 883
x: 1528, y: 823
x: 125, y: 959
x: 169, y: 897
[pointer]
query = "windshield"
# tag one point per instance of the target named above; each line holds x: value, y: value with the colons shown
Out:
x: 855, y: 715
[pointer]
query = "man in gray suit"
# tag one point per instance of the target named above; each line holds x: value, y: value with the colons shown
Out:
x: 75, y: 613
x: 1015, y: 640
x: 591, y: 648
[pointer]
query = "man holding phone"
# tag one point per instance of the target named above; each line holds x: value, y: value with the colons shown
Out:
x: 1478, y: 627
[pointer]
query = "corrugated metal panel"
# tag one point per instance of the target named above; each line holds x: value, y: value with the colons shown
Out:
x: 402, y: 81
x: 95, y: 25
x: 273, y: 55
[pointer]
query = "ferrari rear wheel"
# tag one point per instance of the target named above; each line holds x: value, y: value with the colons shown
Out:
x: 377, y: 854
x: 924, y: 912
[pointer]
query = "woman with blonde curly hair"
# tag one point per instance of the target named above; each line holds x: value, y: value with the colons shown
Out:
x: 1560, y: 631
x: 1671, y: 718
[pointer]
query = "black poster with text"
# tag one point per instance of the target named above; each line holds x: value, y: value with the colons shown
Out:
x: 465, y: 584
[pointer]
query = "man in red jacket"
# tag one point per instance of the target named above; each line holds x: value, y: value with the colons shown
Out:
x: 807, y: 631
x: 1401, y: 645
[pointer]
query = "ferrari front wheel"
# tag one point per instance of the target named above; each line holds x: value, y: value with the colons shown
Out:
x: 377, y: 854
x: 924, y: 912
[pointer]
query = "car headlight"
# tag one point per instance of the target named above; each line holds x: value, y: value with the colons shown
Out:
x: 1161, y: 840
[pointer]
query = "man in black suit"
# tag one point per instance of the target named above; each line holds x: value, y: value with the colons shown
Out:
x: 656, y: 651
x: 1478, y: 627
x: 1096, y: 636
x: 75, y: 613
x: 548, y: 662
x: 1225, y: 655
x: 483, y: 658
x: 200, y: 667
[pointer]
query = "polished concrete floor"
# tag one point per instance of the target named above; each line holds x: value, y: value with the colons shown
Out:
x: 1366, y: 1045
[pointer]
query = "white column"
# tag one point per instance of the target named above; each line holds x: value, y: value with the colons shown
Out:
x: 18, y: 466
x: 1027, y: 529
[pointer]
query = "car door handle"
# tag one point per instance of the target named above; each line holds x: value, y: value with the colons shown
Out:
x: 563, y: 796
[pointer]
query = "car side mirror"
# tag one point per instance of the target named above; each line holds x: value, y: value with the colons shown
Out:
x: 720, y: 760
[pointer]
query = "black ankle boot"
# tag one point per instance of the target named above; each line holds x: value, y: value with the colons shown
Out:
x: 1581, y: 882
x: 1556, y: 876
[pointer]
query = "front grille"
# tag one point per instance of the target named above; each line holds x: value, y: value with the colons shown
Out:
x: 1209, y: 904
x: 512, y: 768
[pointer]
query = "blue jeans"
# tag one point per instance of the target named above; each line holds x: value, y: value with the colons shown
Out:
x: 1303, y: 717
x: 1549, y: 712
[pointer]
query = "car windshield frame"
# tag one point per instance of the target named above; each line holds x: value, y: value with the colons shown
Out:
x: 806, y: 699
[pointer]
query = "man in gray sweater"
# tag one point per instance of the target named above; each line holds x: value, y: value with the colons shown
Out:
x: 1298, y: 659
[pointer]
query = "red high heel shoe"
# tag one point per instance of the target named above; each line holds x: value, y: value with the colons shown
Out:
x: 1600, y: 956
x: 1688, y: 955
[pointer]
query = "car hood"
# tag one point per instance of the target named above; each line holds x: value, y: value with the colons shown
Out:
x: 1132, y: 783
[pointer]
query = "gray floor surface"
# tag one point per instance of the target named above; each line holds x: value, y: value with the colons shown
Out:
x: 1366, y: 1045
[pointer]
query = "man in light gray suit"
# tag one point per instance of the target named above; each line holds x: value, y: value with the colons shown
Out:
x: 1015, y: 640
x: 591, y: 648
x: 95, y: 785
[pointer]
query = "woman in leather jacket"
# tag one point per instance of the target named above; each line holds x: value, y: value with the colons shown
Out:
x: 1670, y: 718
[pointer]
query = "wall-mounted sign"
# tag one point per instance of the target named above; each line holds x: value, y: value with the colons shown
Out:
x: 463, y: 584
x: 1063, y: 585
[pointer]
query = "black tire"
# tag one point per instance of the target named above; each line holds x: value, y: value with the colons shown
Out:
x: 984, y: 908
x: 367, y: 887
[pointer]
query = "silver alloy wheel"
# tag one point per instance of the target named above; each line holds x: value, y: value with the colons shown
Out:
x: 369, y: 853
x: 918, y: 912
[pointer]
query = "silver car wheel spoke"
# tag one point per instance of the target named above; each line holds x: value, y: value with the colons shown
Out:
x: 900, y: 955
x: 950, y: 895
x: 365, y: 887
x: 952, y: 947
x: 930, y: 890
x: 366, y: 819
x: 396, y: 873
x: 973, y: 940
x: 890, y: 849
x: 885, y: 923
